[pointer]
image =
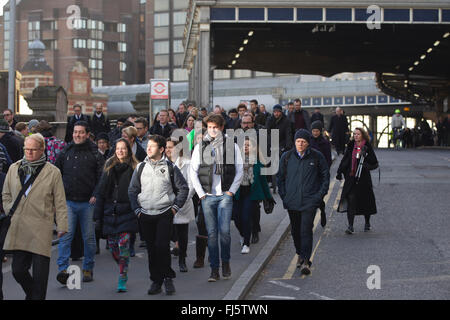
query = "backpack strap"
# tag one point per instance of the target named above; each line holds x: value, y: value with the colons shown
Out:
x: 141, y: 168
x: 172, y: 176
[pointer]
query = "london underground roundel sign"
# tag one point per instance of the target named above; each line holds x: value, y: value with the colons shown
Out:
x: 159, y: 89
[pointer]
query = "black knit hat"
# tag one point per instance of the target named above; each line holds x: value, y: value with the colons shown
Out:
x: 302, y: 134
x: 102, y: 136
x: 277, y: 106
x: 317, y: 125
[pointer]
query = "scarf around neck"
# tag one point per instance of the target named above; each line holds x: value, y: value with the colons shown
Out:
x: 217, y: 146
x: 356, y: 150
x: 29, y: 168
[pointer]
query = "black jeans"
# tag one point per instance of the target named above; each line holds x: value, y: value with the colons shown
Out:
x: 35, y: 286
x: 200, y: 221
x: 1, y: 273
x: 302, y: 223
x: 181, y: 232
x: 156, y: 232
x: 256, y: 217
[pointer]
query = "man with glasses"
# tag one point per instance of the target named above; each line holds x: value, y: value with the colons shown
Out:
x: 141, y: 125
x: 9, y: 117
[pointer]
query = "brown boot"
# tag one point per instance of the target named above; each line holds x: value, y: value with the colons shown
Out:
x: 200, y: 246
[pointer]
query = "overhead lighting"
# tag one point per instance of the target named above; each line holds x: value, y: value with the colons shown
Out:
x: 241, y: 49
x: 250, y: 33
x: 233, y: 62
x: 406, y: 86
x: 406, y: 81
x: 446, y: 35
x: 229, y: 66
x: 245, y: 41
x: 429, y: 50
x: 237, y: 55
x: 411, y: 69
x: 423, y: 56
x: 416, y: 63
x: 437, y: 43
x: 416, y: 95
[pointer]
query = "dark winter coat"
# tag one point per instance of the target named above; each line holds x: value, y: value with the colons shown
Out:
x: 158, y: 129
x: 100, y: 124
x: 321, y: 144
x: 317, y: 116
x: 338, y: 128
x: 81, y: 166
x: 259, y: 190
x: 304, y: 182
x: 364, y: 200
x: 284, y: 127
x: 113, y: 208
x: 261, y: 118
x: 306, y: 118
x: 14, y: 146
x: 71, y: 124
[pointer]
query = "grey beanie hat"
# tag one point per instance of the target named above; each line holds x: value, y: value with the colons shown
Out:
x: 4, y: 126
x: 32, y: 123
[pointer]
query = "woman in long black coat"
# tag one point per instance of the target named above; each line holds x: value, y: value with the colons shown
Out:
x: 113, y: 213
x: 357, y: 195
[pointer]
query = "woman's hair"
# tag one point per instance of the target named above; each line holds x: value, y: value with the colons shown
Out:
x: 39, y: 138
x: 364, y: 134
x: 21, y: 126
x: 173, y: 112
x: 187, y: 118
x: 259, y: 154
x: 155, y: 120
x: 131, y: 132
x: 130, y: 160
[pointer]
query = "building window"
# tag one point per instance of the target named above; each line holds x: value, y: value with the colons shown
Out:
x: 161, y: 47
x: 161, y: 5
x: 122, y: 47
x: 161, y: 19
x: 80, y: 24
x: 242, y: 73
x: 34, y: 30
x: 51, y: 44
x: 161, y: 61
x: 79, y: 43
x: 123, y: 66
x: 178, y: 46
x: 222, y: 74
x: 111, y: 46
x: 180, y: 74
x: 180, y: 4
x: 123, y: 83
x: 121, y: 27
x: 179, y: 17
x: 161, y: 74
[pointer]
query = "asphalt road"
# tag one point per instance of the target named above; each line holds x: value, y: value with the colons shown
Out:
x: 408, y: 247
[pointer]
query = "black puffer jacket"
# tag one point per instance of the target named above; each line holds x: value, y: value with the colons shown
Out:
x: 112, y: 208
x: 81, y: 167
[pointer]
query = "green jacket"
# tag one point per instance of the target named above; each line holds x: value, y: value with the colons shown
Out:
x: 259, y: 189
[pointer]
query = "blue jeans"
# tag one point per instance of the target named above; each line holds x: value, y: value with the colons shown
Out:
x: 84, y: 213
x: 217, y: 211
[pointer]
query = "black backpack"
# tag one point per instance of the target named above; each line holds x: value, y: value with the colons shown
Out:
x: 171, y: 174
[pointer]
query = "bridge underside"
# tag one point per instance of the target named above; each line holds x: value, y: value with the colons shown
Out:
x: 410, y: 63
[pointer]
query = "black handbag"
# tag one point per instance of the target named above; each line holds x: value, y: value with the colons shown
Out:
x: 268, y: 206
x: 5, y: 220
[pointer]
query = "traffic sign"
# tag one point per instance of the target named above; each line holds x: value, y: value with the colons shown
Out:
x: 159, y: 89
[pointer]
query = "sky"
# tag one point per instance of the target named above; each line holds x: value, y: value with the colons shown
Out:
x: 2, y: 3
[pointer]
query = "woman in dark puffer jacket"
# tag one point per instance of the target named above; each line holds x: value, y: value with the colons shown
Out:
x: 113, y: 214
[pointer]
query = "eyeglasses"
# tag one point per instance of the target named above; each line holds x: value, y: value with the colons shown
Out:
x: 247, y: 122
x: 31, y: 150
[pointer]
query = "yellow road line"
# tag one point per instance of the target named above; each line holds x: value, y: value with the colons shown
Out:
x: 293, y: 265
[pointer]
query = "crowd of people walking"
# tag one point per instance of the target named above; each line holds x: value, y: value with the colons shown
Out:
x: 137, y: 180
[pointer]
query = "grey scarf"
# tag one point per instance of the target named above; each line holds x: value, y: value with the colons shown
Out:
x: 30, y: 168
x: 217, y: 145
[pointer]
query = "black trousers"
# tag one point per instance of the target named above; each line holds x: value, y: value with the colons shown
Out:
x: 180, y: 234
x: 157, y: 232
x: 302, y: 223
x: 1, y: 273
x: 256, y: 217
x: 200, y: 221
x: 35, y: 286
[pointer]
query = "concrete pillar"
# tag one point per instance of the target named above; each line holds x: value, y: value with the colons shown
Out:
x: 374, y: 128
x: 204, y: 55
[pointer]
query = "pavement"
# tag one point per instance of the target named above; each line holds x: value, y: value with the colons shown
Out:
x: 409, y: 247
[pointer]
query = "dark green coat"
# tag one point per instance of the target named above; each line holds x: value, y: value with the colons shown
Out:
x: 259, y: 189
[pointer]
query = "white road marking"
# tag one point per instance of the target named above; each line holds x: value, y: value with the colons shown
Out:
x: 320, y: 296
x: 278, y: 297
x: 285, y: 285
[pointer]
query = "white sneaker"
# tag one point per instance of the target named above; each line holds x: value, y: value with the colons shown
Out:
x: 241, y: 241
x: 245, y: 249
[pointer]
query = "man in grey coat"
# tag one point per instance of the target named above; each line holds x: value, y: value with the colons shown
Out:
x: 157, y: 191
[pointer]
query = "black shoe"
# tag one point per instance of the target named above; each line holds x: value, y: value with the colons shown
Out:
x: 143, y: 244
x: 226, y: 270
x: 214, y: 275
x: 323, y: 218
x: 367, y: 227
x: 255, y: 238
x: 349, y: 230
x: 155, y: 288
x: 169, y: 287
x: 182, y: 265
x: 62, y: 277
x: 305, y: 269
x: 88, y: 275
x: 175, y: 251
x: 299, y: 262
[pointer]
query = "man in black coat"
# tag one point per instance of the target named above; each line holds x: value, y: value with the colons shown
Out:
x: 339, y: 130
x: 279, y: 121
x: 262, y: 116
x: 163, y: 128
x: 12, y: 143
x: 81, y: 166
x: 317, y: 115
x: 78, y: 116
x: 99, y: 121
